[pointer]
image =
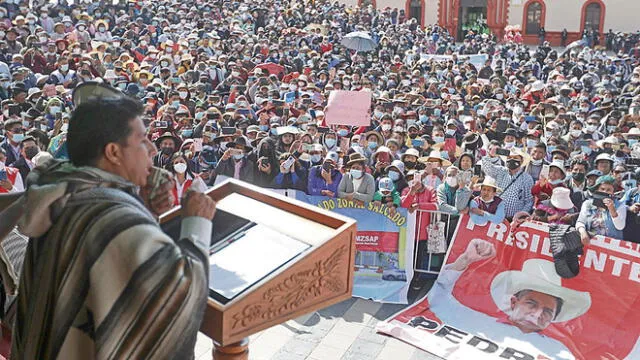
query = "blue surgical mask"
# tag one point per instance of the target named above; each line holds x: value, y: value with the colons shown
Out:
x: 556, y: 182
x: 531, y: 143
x: 264, y: 127
x: 357, y: 174
x: 316, y: 158
x: 330, y: 142
x: 586, y: 150
x: 450, y: 132
x: 18, y: 138
x: 438, y: 139
x: 238, y: 156
x: 378, y: 114
x: 372, y: 145
x: 187, y: 133
x: 423, y: 118
x: 343, y: 132
x: 550, y: 148
x: 175, y: 104
x: 437, y: 112
x: 274, y: 131
x: 394, y: 175
x: 632, y: 142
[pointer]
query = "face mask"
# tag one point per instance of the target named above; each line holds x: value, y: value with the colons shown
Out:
x: 394, y: 175
x: 450, y: 132
x: 438, y: 139
x: 274, y: 131
x: 330, y: 142
x: 180, y: 168
x: 584, y: 109
x: 517, y: 111
x: 102, y: 29
x: 452, y: 181
x: 64, y: 127
x: 264, y: 127
x: 175, y: 104
x: 536, y: 162
x: 164, y: 64
x: 315, y: 158
x: 579, y: 177
x: 18, y: 138
x: 509, y: 145
x: 293, y: 87
x: 423, y: 118
x: 378, y: 114
x: 64, y: 67
x: 499, y: 96
x: 343, y: 132
x: 437, y: 112
x: 357, y: 174
x: 531, y: 143
x: 167, y: 150
x: 575, y: 133
x: 372, y: 145
x: 26, y: 124
x: 183, y: 94
x: 513, y: 164
x: 385, y: 127
x: 611, y: 128
x: 550, y: 148
x: 238, y: 156
x: 556, y: 182
x: 187, y: 133
x: 632, y: 142
x: 591, y: 128
x: 30, y: 152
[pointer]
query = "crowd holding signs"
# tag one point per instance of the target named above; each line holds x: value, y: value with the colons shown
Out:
x: 360, y: 106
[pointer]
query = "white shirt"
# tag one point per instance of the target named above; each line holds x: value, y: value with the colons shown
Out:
x: 451, y: 312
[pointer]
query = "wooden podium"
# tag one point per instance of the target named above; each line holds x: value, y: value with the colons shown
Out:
x: 319, y: 276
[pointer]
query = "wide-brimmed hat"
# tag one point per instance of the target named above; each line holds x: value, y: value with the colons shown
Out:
x: 560, y: 165
x: 561, y: 198
x: 168, y: 135
x: 435, y: 156
x: 376, y: 134
x: 239, y: 143
x: 410, y: 152
x: 513, y: 152
x: 491, y: 182
x: 396, y: 164
x: 541, y: 276
x: 356, y: 158
x: 632, y: 132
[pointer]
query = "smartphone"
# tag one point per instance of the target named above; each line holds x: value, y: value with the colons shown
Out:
x: 449, y: 144
x: 3, y: 175
x: 14, y: 110
x: 278, y: 103
x: 285, y: 113
x: 503, y: 152
x: 323, y: 130
x: 564, y: 116
x: 160, y: 124
x: 344, y: 145
x: 264, y: 161
x: 597, y: 202
x: 243, y: 111
x: 417, y: 178
x: 197, y: 144
x: 544, y: 173
x: 502, y: 126
x: 477, y: 170
x: 213, y: 116
x: 227, y: 130
x: 632, y: 161
x: 287, y: 163
x: 529, y: 118
x: 306, y: 101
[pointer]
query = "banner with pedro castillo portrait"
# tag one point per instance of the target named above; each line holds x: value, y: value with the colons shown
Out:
x: 384, y: 242
x: 499, y: 297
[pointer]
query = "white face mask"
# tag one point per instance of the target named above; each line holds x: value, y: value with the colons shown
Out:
x: 64, y: 67
x: 452, y: 181
x: 385, y: 127
x: 183, y: 94
x: 180, y: 168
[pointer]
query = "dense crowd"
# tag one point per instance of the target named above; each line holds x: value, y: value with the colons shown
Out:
x: 240, y: 89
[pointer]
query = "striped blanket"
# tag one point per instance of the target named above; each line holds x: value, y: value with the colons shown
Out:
x: 100, y: 279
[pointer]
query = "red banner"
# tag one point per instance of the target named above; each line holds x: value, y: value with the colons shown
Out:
x: 499, y: 297
x: 377, y: 241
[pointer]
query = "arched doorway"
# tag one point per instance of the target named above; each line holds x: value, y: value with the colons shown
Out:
x: 415, y: 10
x: 472, y: 16
x: 496, y: 14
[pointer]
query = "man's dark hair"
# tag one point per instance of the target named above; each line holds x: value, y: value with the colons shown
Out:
x: 96, y: 123
x: 559, y: 301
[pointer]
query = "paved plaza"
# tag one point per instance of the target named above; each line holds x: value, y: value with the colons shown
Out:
x: 343, y: 331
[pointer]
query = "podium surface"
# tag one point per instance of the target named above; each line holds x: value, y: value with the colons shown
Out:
x: 299, y: 259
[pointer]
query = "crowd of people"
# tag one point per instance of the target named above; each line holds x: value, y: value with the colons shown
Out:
x: 240, y: 89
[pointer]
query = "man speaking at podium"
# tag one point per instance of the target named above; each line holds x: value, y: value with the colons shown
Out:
x: 100, y: 279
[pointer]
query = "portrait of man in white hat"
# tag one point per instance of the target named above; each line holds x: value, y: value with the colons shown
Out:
x: 531, y: 298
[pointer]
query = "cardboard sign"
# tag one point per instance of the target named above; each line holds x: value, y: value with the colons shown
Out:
x: 348, y: 108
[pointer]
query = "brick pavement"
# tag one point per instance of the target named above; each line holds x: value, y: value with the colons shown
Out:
x: 345, y: 331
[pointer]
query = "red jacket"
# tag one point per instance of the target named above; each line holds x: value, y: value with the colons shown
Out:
x: 426, y: 200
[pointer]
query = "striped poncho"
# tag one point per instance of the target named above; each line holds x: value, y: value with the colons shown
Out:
x: 100, y: 278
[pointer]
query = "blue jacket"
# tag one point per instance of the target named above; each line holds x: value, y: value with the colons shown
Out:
x: 316, y: 182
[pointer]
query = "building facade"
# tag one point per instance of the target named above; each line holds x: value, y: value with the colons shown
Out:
x: 553, y: 15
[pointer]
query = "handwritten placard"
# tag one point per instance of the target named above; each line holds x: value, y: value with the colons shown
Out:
x: 348, y: 108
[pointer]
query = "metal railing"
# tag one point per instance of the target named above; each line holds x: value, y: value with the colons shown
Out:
x: 434, y: 261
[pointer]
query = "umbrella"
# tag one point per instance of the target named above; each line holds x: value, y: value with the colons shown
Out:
x: 272, y: 68
x: 359, y: 41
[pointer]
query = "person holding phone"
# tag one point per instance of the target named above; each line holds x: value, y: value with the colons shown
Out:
x: 325, y: 178
x: 291, y: 175
x: 602, y: 214
x: 235, y: 163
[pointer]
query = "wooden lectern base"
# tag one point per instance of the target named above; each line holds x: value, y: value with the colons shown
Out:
x: 235, y: 351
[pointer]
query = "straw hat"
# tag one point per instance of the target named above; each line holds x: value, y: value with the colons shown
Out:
x: 541, y: 276
x: 435, y: 156
x: 490, y: 182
